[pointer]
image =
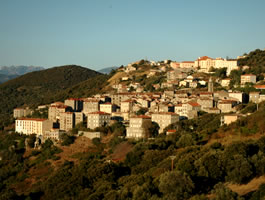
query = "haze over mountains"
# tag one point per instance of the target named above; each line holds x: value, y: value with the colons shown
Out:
x: 8, y: 73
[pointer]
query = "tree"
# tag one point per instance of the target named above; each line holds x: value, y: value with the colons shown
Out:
x: 150, y: 129
x: 173, y: 184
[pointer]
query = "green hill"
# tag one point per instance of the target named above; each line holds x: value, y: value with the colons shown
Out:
x: 84, y: 170
x: 43, y: 87
x: 255, y: 60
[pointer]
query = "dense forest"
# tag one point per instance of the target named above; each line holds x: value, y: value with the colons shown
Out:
x: 205, y: 164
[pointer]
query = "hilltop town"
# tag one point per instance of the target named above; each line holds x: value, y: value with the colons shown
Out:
x: 145, y: 96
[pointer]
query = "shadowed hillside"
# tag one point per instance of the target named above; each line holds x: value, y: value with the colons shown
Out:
x: 41, y: 87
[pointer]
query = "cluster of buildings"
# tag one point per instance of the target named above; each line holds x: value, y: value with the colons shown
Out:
x: 135, y: 109
x: 164, y: 108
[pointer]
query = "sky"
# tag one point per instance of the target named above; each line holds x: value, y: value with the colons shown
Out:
x: 104, y: 33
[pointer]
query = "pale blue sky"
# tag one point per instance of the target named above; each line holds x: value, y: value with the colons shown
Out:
x: 103, y: 33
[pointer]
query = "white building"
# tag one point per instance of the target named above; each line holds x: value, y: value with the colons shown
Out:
x: 32, y: 126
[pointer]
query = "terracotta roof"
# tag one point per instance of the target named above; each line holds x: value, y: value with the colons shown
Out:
x: 194, y: 104
x: 19, y: 109
x: 188, y: 62
x: 99, y: 113
x: 259, y: 86
x: 204, y: 58
x: 172, y: 131
x: 142, y: 116
x: 33, y: 119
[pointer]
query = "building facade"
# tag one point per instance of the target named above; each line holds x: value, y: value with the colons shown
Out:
x: 32, y: 126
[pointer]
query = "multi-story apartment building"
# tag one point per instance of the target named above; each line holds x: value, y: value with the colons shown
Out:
x: 55, y: 111
x: 67, y: 121
x: 79, y: 117
x: 107, y: 107
x: 90, y: 105
x: 204, y: 63
x: 248, y: 78
x: 32, y: 126
x: 97, y: 119
x: 164, y: 119
x: 226, y: 106
x: 21, y: 112
x: 120, y: 97
x: 136, y: 128
x: 53, y: 134
x: 187, y: 64
x: 239, y: 96
x: 75, y: 103
x: 205, y: 103
x: 126, y: 106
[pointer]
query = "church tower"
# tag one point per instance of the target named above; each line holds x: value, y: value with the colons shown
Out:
x: 210, y: 85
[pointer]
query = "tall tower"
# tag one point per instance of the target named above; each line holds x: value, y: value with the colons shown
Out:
x: 210, y: 85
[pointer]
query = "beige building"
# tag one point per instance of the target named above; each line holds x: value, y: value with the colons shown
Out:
x: 97, y: 119
x: 120, y: 97
x: 32, y: 126
x: 204, y: 63
x: 136, y: 128
x: 55, y: 111
x: 254, y: 97
x: 67, y: 121
x: 126, y: 106
x: 53, y: 134
x: 248, y: 78
x: 21, y: 112
x: 107, y: 108
x: 226, y: 106
x: 238, y: 96
x: 75, y: 103
x: 205, y: 103
x: 225, y: 82
x: 91, y: 105
x: 187, y: 64
x: 228, y: 119
x: 79, y: 117
x: 164, y: 119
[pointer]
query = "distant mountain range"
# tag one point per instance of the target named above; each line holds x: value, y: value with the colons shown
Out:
x: 8, y: 73
x: 107, y: 70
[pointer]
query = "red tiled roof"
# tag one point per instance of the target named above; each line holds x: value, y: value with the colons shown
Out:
x: 204, y: 58
x: 99, y: 113
x: 194, y: 104
x: 188, y: 62
x: 32, y: 119
x: 259, y: 86
x: 172, y: 131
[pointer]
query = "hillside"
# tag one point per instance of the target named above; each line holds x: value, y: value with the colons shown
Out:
x: 4, y: 77
x: 255, y: 60
x: 116, y: 168
x: 41, y: 87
